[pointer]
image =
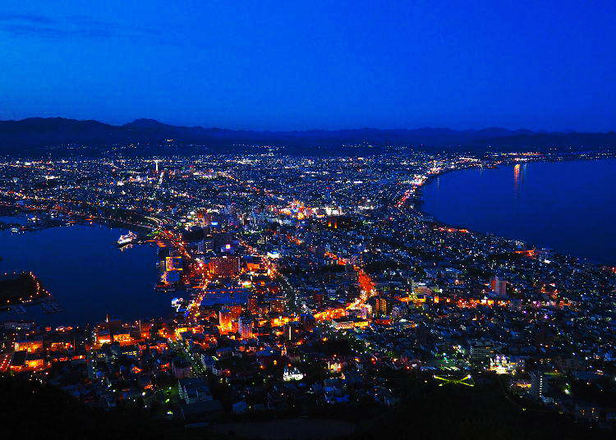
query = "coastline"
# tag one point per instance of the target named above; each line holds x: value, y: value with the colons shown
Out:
x: 80, y: 219
x: 419, y: 202
x: 107, y: 291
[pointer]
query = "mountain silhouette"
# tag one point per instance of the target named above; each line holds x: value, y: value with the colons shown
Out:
x: 37, y: 134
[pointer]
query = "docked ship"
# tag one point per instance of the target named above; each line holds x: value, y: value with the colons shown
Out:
x: 126, y: 239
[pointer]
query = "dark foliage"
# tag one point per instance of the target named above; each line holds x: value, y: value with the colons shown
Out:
x: 29, y: 410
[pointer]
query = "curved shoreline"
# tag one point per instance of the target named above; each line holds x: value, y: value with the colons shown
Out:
x: 420, y: 201
x: 103, y: 295
x: 111, y: 223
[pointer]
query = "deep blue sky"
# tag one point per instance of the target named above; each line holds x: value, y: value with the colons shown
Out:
x: 288, y: 64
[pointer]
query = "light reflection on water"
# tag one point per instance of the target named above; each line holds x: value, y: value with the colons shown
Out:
x: 568, y: 206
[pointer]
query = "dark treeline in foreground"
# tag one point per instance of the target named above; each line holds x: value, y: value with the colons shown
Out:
x: 429, y: 411
x: 29, y: 410
x: 33, y: 135
x: 485, y: 411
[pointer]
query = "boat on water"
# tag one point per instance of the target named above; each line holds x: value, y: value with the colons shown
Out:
x: 127, y: 238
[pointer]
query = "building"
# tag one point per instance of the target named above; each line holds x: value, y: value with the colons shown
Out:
x: 481, y: 352
x: 499, y: 286
x: 381, y: 306
x: 253, y: 303
x: 307, y: 321
x: 180, y: 369
x: 538, y: 384
x: 225, y: 320
x: 278, y: 304
x: 31, y: 346
x: 225, y: 296
x: 245, y: 327
x: 224, y: 267
x: 291, y: 374
x: 194, y: 389
x: 173, y: 263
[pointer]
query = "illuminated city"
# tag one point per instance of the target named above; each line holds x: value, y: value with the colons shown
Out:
x: 298, y: 282
x: 307, y: 220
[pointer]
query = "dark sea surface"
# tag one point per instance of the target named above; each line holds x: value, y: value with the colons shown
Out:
x: 566, y: 206
x: 86, y: 272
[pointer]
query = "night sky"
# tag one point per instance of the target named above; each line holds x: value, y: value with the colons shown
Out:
x: 288, y: 64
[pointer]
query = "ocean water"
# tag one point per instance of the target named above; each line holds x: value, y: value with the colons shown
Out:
x: 85, y: 271
x: 566, y: 206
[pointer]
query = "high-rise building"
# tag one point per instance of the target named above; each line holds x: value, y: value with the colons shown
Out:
x: 381, y: 306
x: 292, y: 331
x: 499, y: 286
x: 253, y: 303
x: 245, y: 327
x: 539, y: 384
x: 225, y: 320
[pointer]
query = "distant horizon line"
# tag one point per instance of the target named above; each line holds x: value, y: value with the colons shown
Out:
x: 423, y: 127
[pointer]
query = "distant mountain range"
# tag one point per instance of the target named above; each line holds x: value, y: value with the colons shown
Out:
x: 38, y: 134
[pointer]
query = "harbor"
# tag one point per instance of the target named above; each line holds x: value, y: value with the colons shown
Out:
x: 85, y: 273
